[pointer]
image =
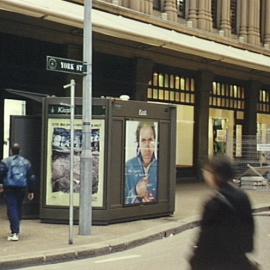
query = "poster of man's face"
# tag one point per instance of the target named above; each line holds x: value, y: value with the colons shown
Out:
x: 141, y: 162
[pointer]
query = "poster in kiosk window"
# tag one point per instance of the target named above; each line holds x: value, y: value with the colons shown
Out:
x: 58, y: 161
x: 141, y: 162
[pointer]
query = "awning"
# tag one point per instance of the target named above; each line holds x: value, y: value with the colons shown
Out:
x: 31, y: 95
x: 125, y: 28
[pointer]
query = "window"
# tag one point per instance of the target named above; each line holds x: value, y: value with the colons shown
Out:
x: 181, y: 8
x: 233, y: 16
x: 173, y: 88
x: 262, y: 19
x: 264, y: 101
x: 230, y: 96
x: 157, y: 5
x: 214, y: 10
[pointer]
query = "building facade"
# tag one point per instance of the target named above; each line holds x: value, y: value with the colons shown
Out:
x: 211, y: 58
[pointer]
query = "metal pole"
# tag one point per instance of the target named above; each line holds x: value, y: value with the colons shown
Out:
x: 72, y: 94
x: 85, y: 213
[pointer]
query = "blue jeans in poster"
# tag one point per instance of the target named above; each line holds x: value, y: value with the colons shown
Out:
x: 14, y: 200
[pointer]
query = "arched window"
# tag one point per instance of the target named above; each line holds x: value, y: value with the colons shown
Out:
x: 181, y: 8
x: 233, y: 16
x: 215, y: 11
x: 157, y: 4
x: 262, y: 19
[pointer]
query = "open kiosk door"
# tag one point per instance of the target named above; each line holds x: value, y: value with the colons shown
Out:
x: 26, y: 130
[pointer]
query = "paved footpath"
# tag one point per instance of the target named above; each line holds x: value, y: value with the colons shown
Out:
x: 46, y: 243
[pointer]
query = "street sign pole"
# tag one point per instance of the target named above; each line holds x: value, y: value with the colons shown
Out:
x: 72, y: 94
x: 85, y: 212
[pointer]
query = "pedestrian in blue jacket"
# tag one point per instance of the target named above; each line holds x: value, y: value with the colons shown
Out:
x: 17, y: 180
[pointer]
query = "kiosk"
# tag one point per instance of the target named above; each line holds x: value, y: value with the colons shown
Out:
x: 133, y: 149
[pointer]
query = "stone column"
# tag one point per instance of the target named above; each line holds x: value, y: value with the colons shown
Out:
x: 192, y: 12
x: 125, y: 3
x: 267, y: 24
x: 148, y: 6
x: 204, y: 85
x: 254, y: 22
x: 201, y: 19
x: 171, y: 10
x: 144, y: 72
x: 243, y: 19
x: 135, y: 4
x: 208, y: 14
x: 225, y: 23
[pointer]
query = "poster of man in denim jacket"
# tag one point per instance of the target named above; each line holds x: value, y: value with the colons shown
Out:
x: 141, y: 171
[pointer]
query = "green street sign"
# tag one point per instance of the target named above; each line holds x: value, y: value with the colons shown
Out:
x: 66, y: 65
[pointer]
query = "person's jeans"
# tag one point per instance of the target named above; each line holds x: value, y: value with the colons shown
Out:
x: 14, y: 200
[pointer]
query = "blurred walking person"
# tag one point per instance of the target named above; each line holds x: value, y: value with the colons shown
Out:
x: 227, y: 225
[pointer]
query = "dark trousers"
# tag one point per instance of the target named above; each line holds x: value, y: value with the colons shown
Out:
x: 14, y: 200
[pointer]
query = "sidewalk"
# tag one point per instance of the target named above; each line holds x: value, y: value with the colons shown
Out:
x: 45, y: 243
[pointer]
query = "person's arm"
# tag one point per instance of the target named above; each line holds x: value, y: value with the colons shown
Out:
x: 30, y: 183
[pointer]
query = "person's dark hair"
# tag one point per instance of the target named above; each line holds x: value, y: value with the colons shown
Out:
x: 15, y: 149
x: 142, y: 125
x: 222, y: 168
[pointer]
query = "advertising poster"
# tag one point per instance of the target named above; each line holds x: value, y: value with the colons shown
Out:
x: 141, y: 162
x: 58, y: 161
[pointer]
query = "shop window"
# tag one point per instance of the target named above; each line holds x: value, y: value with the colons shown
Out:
x: 221, y: 132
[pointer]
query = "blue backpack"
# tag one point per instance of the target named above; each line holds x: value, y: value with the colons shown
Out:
x: 17, y: 172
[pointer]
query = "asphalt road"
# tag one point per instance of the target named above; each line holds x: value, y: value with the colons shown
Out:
x: 169, y: 253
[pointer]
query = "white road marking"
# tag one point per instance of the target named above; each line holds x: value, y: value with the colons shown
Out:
x: 118, y: 259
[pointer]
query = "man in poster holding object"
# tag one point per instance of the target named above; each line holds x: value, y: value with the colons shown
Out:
x: 141, y: 171
x: 17, y: 177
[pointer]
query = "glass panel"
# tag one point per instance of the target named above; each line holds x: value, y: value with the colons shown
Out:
x: 182, y: 97
x: 160, y: 80
x: 187, y: 84
x: 238, y: 141
x: 192, y: 86
x: 155, y: 94
x: 166, y: 83
x: 161, y: 94
x: 177, y: 82
x: 149, y: 93
x: 155, y: 79
x: 192, y: 99
x: 214, y: 87
x: 184, y: 135
x: 166, y: 95
x: 171, y: 95
x: 177, y: 97
x: 187, y: 98
x: 182, y: 83
x: 172, y: 81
